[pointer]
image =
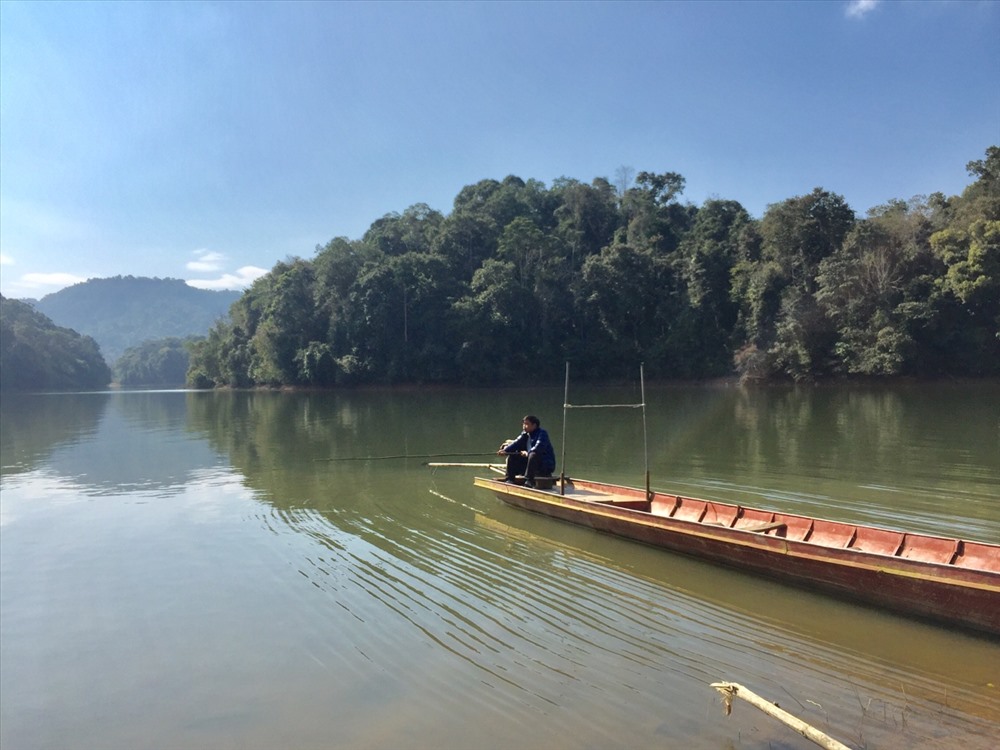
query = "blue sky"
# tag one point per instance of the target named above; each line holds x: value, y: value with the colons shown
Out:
x: 207, y: 141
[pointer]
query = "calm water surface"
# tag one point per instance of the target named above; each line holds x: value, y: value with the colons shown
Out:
x: 192, y: 570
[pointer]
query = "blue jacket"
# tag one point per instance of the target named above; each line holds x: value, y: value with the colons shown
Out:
x: 536, y: 442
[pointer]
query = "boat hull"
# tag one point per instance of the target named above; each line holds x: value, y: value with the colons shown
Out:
x: 944, y: 580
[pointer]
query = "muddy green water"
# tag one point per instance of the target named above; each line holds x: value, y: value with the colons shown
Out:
x: 190, y: 570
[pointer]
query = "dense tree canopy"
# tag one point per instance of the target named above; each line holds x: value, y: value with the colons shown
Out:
x: 520, y: 278
x: 37, y: 355
x: 161, y: 362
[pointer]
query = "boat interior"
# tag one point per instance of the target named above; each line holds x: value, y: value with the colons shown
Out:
x: 830, y: 534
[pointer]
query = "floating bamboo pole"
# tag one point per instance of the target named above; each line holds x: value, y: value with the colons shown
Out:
x: 732, y: 690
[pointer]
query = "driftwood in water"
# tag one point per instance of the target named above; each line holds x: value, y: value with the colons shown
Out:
x: 730, y: 690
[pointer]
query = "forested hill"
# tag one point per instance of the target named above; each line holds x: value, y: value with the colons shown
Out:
x: 125, y: 311
x: 520, y: 278
x: 37, y: 355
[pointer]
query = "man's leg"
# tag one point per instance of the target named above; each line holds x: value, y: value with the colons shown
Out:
x: 515, y: 465
x: 533, y: 469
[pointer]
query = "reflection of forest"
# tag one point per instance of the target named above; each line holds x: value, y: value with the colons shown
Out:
x: 842, y: 428
x: 287, y: 444
x: 33, y: 426
x: 845, y: 449
x: 106, y: 443
x: 847, y: 427
x: 927, y: 450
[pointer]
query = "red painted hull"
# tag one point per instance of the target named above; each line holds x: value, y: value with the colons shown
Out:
x: 949, y: 581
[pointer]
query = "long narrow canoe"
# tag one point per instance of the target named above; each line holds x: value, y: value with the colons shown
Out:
x: 950, y: 581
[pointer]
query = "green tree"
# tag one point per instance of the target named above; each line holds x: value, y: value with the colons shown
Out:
x: 707, y: 256
x: 337, y: 267
x: 652, y: 216
x: 981, y: 199
x: 963, y: 338
x: 413, y: 231
x: 786, y: 329
x: 875, y: 289
x: 972, y: 283
x: 466, y: 240
x: 494, y: 324
x: 206, y: 367
x: 276, y: 317
x: 160, y: 362
x: 587, y: 217
x: 401, y: 330
x: 620, y: 291
x: 37, y: 355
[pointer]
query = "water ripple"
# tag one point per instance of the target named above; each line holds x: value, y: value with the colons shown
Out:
x: 564, y: 632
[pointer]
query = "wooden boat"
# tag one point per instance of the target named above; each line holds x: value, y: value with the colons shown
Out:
x: 949, y: 581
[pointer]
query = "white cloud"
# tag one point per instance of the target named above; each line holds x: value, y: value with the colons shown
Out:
x: 243, y: 278
x: 34, y: 284
x: 207, y: 261
x: 860, y: 8
x: 42, y: 280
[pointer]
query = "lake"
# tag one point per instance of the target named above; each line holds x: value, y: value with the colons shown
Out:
x: 220, y: 570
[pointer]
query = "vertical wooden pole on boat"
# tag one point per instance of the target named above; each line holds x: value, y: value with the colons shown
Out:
x: 645, y: 442
x: 562, y: 463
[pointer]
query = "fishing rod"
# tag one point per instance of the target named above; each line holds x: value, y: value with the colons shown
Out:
x: 406, y: 455
x: 499, y: 468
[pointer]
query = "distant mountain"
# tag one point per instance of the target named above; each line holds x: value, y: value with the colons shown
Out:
x: 37, y: 355
x: 125, y: 311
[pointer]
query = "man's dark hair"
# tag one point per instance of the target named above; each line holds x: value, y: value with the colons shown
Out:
x: 533, y: 419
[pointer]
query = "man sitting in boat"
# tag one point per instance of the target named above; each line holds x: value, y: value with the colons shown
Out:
x: 530, y: 453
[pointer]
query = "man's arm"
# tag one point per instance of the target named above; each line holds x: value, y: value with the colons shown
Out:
x: 518, y: 444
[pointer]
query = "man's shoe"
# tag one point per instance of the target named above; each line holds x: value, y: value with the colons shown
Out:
x: 529, y: 483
